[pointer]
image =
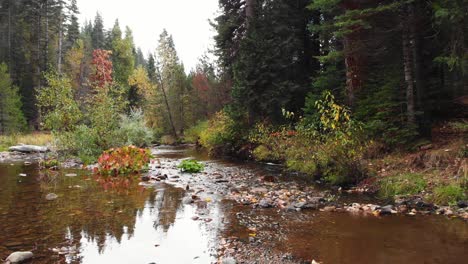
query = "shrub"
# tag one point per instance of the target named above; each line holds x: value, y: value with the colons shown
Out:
x: 449, y: 194
x: 57, y: 104
x: 81, y: 142
x: 133, y: 130
x: 123, y: 161
x: 403, y: 184
x: 168, y: 140
x: 193, y: 134
x: 191, y: 166
x: 328, y: 145
x: 220, y: 130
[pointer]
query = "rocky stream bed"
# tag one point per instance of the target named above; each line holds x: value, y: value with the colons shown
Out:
x: 233, y: 212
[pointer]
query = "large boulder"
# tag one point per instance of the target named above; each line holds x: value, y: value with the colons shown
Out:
x: 29, y: 149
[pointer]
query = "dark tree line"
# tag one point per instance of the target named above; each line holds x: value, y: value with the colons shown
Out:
x: 399, y: 65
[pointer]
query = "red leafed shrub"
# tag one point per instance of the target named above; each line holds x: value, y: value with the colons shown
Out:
x: 102, y: 64
x: 123, y: 161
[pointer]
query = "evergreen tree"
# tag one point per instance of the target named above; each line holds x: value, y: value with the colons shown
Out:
x: 97, y: 35
x: 73, y: 27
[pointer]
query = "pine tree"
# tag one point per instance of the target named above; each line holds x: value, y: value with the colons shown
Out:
x: 97, y: 35
x: 73, y: 27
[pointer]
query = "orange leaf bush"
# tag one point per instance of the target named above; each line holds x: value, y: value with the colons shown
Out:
x: 123, y: 161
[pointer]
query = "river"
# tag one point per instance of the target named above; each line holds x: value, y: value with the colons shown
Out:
x: 95, y: 221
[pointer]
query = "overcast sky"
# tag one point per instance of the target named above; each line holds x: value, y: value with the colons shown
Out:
x: 186, y: 20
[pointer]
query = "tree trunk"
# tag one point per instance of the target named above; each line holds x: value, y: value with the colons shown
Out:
x: 59, y: 55
x: 167, y: 107
x: 46, y: 50
x: 407, y: 63
x: 353, y: 58
x: 9, y: 38
x: 249, y: 11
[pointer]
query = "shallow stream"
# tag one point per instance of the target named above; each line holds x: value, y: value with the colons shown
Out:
x: 94, y: 221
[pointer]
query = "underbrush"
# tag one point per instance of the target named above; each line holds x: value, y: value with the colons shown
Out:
x: 123, y: 161
x: 329, y: 147
x: 88, y: 142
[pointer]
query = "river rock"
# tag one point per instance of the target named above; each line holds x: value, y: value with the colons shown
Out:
x: 264, y: 203
x: 51, y: 196
x: 386, y: 210
x: 229, y: 260
x: 19, y: 256
x: 145, y: 178
x: 259, y: 190
x: 462, y: 204
x: 187, y: 200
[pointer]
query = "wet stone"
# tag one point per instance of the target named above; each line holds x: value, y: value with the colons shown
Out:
x: 51, y: 196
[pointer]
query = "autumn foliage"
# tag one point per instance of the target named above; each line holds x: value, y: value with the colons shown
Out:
x: 123, y: 161
x: 102, y: 64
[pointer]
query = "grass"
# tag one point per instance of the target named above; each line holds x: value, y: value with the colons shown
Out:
x: 448, y: 194
x: 35, y: 138
x: 402, y: 184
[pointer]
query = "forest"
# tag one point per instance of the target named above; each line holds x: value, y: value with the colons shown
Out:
x: 310, y: 131
x: 321, y: 86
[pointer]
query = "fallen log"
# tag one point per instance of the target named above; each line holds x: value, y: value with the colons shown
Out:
x: 29, y: 149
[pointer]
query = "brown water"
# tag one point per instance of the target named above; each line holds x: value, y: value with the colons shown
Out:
x: 123, y: 222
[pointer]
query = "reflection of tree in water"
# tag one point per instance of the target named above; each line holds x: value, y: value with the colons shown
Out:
x: 83, y: 210
x: 167, y: 202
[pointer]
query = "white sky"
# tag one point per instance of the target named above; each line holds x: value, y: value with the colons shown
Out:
x: 186, y: 20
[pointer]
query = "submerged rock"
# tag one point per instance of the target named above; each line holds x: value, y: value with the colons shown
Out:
x: 18, y: 257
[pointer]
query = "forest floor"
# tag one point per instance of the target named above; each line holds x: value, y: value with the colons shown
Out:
x: 437, y: 165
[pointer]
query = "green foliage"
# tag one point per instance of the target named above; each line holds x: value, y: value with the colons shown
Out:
x: 123, y: 161
x: 81, y: 142
x: 328, y: 145
x: 11, y: 117
x: 220, y: 130
x: 193, y: 134
x: 133, y: 130
x: 459, y: 126
x: 449, y: 194
x: 402, y: 184
x: 380, y: 112
x: 49, y: 164
x: 191, y: 166
x: 57, y: 105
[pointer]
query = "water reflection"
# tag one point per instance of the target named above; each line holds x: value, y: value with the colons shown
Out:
x: 118, y: 222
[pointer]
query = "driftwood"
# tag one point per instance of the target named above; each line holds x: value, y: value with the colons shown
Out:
x: 29, y: 149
